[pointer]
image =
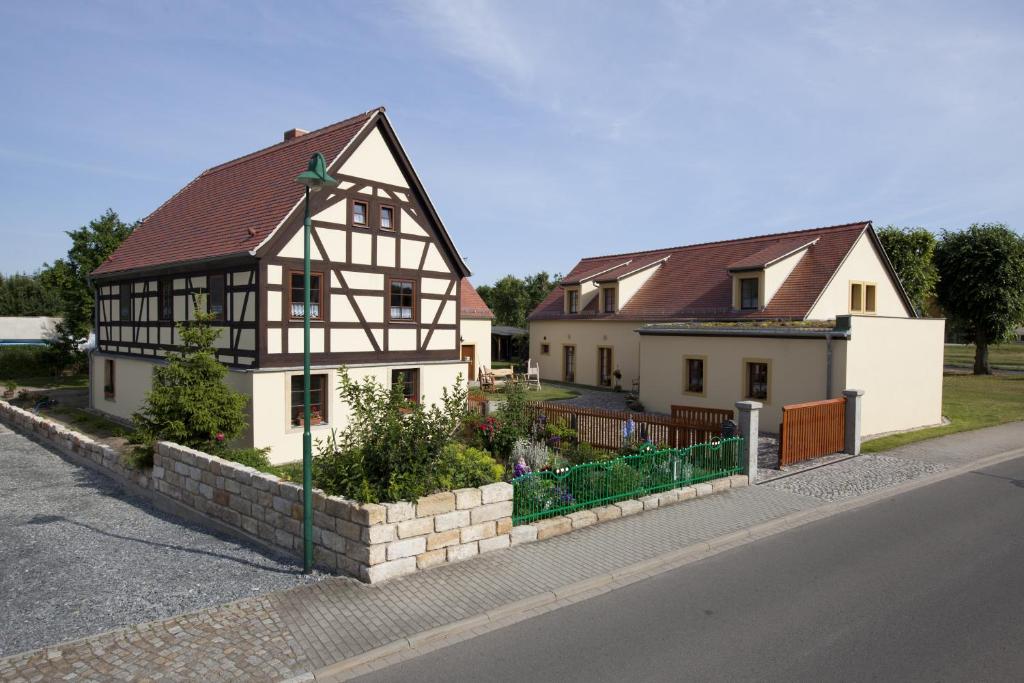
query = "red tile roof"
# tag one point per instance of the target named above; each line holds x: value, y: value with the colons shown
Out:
x: 231, y: 208
x: 771, y: 253
x: 473, y: 306
x: 694, y: 283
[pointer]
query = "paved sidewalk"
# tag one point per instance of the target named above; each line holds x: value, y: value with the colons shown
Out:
x: 289, y: 633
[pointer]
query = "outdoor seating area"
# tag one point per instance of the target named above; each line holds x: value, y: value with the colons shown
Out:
x: 492, y: 379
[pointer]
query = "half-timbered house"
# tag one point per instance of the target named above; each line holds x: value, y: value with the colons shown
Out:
x: 387, y: 282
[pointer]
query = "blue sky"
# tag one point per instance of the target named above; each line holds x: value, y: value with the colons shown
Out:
x: 543, y: 131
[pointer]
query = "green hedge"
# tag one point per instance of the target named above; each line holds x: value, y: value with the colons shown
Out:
x: 25, y: 361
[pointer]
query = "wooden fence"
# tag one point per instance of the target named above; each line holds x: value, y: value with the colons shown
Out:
x: 810, y: 430
x: 604, y: 428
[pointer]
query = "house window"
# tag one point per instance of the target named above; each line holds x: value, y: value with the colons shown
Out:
x: 748, y: 293
x: 317, y: 405
x: 125, y: 300
x: 604, y: 366
x: 862, y: 297
x: 569, y: 363
x: 757, y: 380
x: 108, y: 379
x: 545, y: 349
x: 693, y: 382
x: 609, y: 299
x: 572, y: 301
x: 387, y: 217
x: 409, y: 379
x: 359, y: 211
x: 215, y: 298
x: 296, y: 304
x: 403, y: 296
x: 165, y: 296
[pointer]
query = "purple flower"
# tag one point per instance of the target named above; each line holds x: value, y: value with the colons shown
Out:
x: 521, y: 468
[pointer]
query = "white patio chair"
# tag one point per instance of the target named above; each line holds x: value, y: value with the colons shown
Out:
x: 532, y: 374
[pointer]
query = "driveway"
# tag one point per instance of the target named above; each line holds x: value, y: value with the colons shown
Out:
x: 78, y: 556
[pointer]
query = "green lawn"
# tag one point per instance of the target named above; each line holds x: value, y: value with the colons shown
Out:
x: 548, y: 392
x: 83, y: 421
x: 49, y: 382
x: 970, y: 402
x: 1002, y: 357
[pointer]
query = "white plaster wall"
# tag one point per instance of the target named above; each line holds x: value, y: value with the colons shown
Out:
x: 587, y: 335
x: 478, y: 334
x: 373, y: 160
x: 776, y: 274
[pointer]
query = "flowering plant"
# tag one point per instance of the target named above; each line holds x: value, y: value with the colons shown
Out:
x: 488, y: 427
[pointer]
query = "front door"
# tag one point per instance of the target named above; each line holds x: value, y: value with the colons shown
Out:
x: 569, y: 363
x: 469, y: 355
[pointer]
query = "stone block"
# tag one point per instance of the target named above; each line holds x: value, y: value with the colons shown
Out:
x: 668, y: 497
x: 283, y: 505
x: 333, y: 541
x: 435, y: 504
x: 290, y: 491
x: 467, y: 498
x: 283, y: 539
x: 400, y: 512
x: 606, y: 512
x: 388, y: 570
x: 629, y: 507
x: 496, y: 543
x: 407, y: 548
x: 241, y: 505
x: 250, y: 526
x: 431, y: 558
x: 524, y: 533
x: 491, y: 511
x: 721, y: 484
x: 349, y: 530
x: 443, y: 539
x: 337, y: 507
x: 462, y: 552
x: 368, y: 513
x: 232, y: 486
x: 703, y: 489
x: 554, y: 526
x: 452, y: 520
x: 503, y: 525
x: 649, y: 502
x: 415, y: 527
x: 738, y: 481
x: 379, y: 533
x: 477, y: 532
x: 368, y: 555
x: 221, y: 497
x: 687, y: 492
x: 582, y: 518
x: 496, y: 493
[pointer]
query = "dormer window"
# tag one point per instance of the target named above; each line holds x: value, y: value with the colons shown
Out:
x: 572, y: 301
x: 608, y: 303
x: 862, y: 297
x: 748, y: 293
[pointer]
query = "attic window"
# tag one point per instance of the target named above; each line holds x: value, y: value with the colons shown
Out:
x: 748, y: 293
x: 387, y: 217
x: 359, y: 211
x: 608, y: 299
x: 862, y: 297
x: 572, y: 301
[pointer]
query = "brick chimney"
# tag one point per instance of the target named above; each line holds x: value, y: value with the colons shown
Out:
x: 294, y: 133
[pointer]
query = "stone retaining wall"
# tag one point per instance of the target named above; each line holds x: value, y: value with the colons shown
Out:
x: 370, y: 541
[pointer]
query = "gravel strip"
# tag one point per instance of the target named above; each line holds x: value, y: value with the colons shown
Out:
x: 79, y: 556
x: 855, y: 477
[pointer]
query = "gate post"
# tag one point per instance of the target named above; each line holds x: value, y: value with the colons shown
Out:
x: 853, y: 401
x: 748, y: 414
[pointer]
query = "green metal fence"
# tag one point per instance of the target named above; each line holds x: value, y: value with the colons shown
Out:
x: 551, y: 493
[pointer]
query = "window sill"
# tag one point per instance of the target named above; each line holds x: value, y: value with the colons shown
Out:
x: 297, y: 429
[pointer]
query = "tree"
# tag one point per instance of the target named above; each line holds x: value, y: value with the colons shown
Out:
x: 981, y: 284
x: 912, y: 252
x: 513, y: 299
x: 189, y: 403
x: 69, y: 277
x: 28, y: 295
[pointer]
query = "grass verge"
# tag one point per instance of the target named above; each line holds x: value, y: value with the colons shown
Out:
x: 1001, y: 357
x: 970, y: 402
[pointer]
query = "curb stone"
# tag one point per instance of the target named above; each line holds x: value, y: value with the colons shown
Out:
x: 521, y: 610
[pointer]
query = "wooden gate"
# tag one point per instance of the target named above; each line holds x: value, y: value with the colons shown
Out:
x: 810, y: 430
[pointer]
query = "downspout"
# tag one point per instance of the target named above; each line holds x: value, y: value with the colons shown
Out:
x: 828, y: 365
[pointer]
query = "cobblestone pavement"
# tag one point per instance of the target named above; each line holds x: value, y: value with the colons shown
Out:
x: 287, y: 633
x: 78, y: 557
x: 596, y: 398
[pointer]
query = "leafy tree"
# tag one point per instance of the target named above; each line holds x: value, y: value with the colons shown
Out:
x: 189, y: 403
x: 981, y: 284
x: 90, y: 246
x: 512, y: 299
x: 912, y: 252
x: 27, y: 295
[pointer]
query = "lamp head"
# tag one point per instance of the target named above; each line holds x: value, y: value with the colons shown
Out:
x: 315, y: 176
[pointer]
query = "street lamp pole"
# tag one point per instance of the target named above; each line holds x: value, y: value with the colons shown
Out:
x: 313, y: 178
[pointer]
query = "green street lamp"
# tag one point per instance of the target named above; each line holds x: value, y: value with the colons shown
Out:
x: 314, y: 177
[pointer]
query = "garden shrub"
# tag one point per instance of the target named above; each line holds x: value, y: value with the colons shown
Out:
x: 462, y: 466
x: 392, y: 449
x: 189, y: 403
x: 257, y: 458
x: 17, y: 362
x: 515, y: 419
x: 534, y: 454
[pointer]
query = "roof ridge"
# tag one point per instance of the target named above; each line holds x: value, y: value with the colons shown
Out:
x: 752, y: 238
x: 306, y: 136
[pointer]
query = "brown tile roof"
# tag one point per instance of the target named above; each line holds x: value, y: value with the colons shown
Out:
x: 694, y: 283
x: 231, y: 208
x: 473, y: 306
x: 771, y: 253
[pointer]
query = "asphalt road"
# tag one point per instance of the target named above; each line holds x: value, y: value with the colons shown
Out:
x: 928, y: 585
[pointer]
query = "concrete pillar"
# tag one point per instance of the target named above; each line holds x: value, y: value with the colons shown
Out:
x: 748, y: 429
x: 853, y: 424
